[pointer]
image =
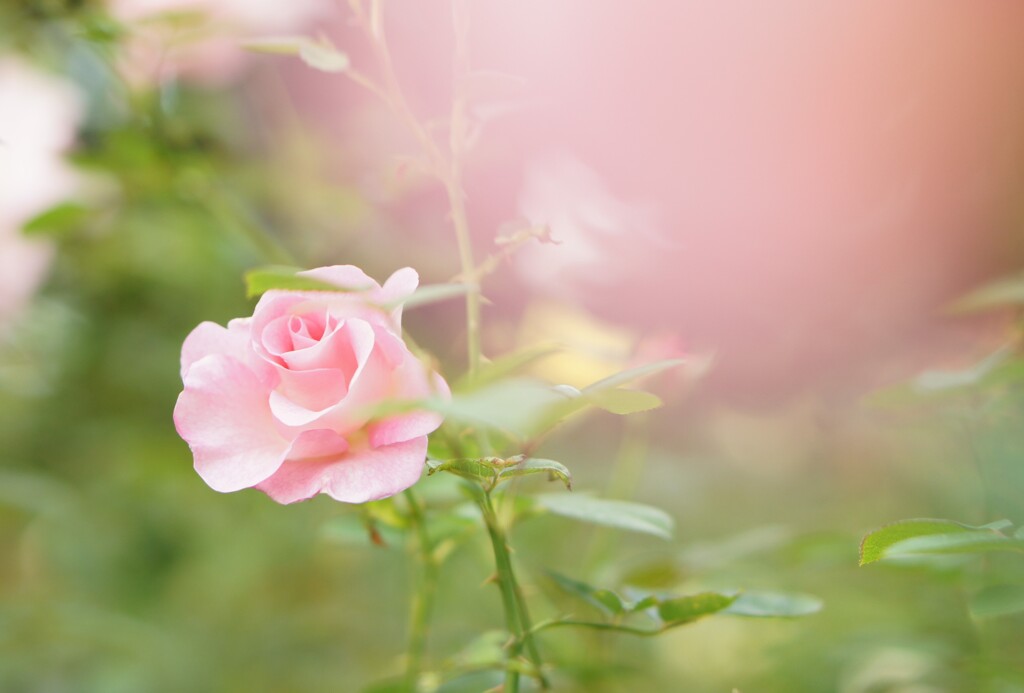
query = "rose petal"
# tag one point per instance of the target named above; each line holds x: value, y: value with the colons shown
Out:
x: 355, y: 477
x: 368, y: 384
x: 224, y: 417
x: 413, y: 383
x: 343, y: 276
x: 399, y: 286
x: 210, y: 338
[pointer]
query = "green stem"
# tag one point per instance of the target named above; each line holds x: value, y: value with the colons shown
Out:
x: 517, y: 615
x: 423, y: 601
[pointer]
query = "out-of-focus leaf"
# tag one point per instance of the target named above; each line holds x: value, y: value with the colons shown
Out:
x: 57, y: 220
x: 352, y: 530
x: 603, y: 599
x: 623, y: 402
x: 634, y: 517
x: 491, y: 371
x: 536, y: 465
x: 875, y: 544
x: 321, y: 55
x: 680, y: 610
x: 491, y: 471
x: 433, y: 293
x: 998, y: 600
x: 931, y: 381
x: 631, y: 375
x: 927, y: 537
x: 773, y: 605
x: 1007, y: 292
x: 963, y: 542
x: 518, y: 406
x: 278, y: 45
x: 263, y: 279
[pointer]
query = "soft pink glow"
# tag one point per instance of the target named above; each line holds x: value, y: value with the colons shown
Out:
x: 38, y: 119
x: 797, y: 186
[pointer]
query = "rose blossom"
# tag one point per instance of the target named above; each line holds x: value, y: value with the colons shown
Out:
x: 38, y: 121
x: 282, y: 401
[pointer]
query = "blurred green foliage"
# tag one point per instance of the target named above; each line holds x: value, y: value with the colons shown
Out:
x: 124, y: 572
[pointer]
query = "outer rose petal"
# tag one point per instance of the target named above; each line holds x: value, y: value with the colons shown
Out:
x: 353, y: 477
x: 210, y: 338
x: 224, y: 417
x: 418, y: 423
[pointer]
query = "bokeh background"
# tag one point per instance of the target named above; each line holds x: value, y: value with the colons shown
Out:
x: 795, y: 193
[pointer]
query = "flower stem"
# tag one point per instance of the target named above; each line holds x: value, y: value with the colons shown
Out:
x: 423, y: 601
x: 517, y: 615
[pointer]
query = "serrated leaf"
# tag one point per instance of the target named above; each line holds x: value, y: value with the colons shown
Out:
x: 875, y: 543
x: 998, y: 600
x: 603, y: 599
x: 468, y: 468
x: 263, y: 279
x: 623, y: 402
x: 680, y: 610
x: 537, y: 465
x: 773, y: 605
x: 963, y: 542
x: 323, y: 56
x: 277, y: 45
x: 633, y: 517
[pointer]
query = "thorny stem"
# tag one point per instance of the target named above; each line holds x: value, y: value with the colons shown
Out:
x: 423, y: 602
x: 447, y: 169
x: 517, y: 614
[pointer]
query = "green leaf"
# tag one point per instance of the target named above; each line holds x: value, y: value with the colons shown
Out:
x: 432, y: 293
x: 323, y: 56
x: 537, y: 465
x: 634, y: 517
x: 604, y: 600
x: 263, y: 279
x: 491, y: 371
x: 632, y: 374
x: 1007, y: 292
x: 278, y: 45
x: 491, y: 471
x: 57, y: 220
x: 623, y: 402
x: 680, y: 610
x: 875, y: 544
x: 518, y: 406
x: 773, y: 605
x: 998, y: 600
x: 964, y: 542
x: 933, y: 381
x: 474, y: 469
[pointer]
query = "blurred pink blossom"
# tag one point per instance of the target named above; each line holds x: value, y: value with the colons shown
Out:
x: 282, y: 401
x: 38, y: 120
x: 199, y: 40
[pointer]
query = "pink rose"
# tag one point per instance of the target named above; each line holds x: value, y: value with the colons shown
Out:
x: 282, y: 401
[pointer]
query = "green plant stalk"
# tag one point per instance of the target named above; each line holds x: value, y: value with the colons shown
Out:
x: 423, y: 602
x: 517, y: 614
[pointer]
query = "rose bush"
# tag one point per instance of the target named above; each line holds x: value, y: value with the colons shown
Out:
x: 283, y: 401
